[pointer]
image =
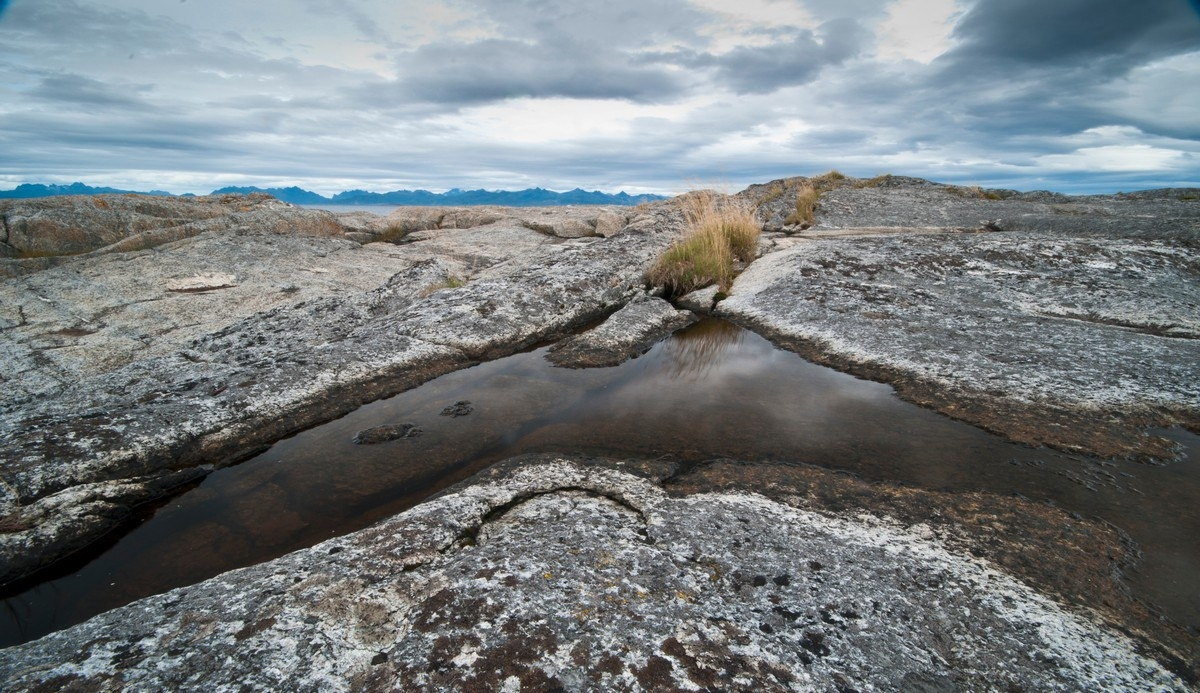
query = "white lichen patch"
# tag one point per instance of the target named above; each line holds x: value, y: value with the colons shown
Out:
x: 202, y: 282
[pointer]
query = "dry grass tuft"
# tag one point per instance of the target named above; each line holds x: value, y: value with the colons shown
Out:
x: 828, y: 181
x: 450, y: 282
x: 806, y: 207
x: 722, y: 231
x: 391, y: 234
x: 875, y: 182
x: 808, y: 195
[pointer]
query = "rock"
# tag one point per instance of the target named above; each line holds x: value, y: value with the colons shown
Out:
x: 69, y: 225
x: 700, y: 300
x: 903, y: 202
x: 110, y: 376
x: 204, y: 282
x: 1076, y: 340
x: 624, y: 335
x: 562, y: 228
x: 47, y: 232
x: 610, y: 223
x: 459, y: 408
x: 386, y: 433
x: 586, y: 574
x: 557, y: 222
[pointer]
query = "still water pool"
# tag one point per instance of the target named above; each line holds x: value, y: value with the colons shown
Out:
x: 710, y: 391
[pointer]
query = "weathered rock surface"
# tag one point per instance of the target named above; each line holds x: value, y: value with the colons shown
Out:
x: 584, y: 575
x: 700, y: 300
x: 624, y: 335
x: 140, y: 365
x: 1078, y: 330
x: 559, y: 222
x: 69, y: 225
x: 899, y: 202
x: 47, y: 232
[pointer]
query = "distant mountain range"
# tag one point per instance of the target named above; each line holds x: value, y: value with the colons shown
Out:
x: 531, y: 197
x: 27, y: 190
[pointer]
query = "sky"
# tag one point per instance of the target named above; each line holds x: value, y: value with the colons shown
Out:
x: 636, y: 95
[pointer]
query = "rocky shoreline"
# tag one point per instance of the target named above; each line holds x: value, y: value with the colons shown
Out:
x: 161, y: 352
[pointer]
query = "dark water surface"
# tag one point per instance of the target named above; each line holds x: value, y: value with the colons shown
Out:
x: 710, y: 391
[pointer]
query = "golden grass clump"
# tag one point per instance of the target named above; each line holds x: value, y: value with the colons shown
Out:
x: 808, y: 195
x: 827, y: 181
x: 806, y: 206
x: 721, y: 232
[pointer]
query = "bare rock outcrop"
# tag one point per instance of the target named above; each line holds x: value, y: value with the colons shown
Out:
x: 586, y: 575
x: 143, y: 364
x: 49, y: 232
x: 1071, y: 322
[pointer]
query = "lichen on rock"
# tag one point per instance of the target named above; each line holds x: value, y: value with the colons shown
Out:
x: 586, y: 575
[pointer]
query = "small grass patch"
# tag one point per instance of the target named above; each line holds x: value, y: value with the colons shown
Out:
x: 828, y: 181
x: 773, y: 193
x: 874, y: 182
x: 450, y: 282
x: 806, y: 207
x: 721, y: 232
x: 810, y: 193
x: 974, y: 191
x: 391, y: 234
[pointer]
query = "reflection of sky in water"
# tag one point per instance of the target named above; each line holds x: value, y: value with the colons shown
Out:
x: 710, y: 391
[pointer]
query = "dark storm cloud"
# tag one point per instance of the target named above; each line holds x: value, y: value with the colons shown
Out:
x: 1037, y: 67
x: 1101, y: 36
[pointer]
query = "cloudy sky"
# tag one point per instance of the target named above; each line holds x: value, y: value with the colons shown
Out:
x: 639, y: 95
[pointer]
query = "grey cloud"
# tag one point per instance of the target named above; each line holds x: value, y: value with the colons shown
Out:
x: 500, y: 69
x: 1022, y: 77
x: 840, y: 9
x: 82, y: 91
x: 70, y: 27
x: 615, y: 24
x: 1108, y: 35
x: 764, y: 69
x: 360, y: 19
x: 553, y: 49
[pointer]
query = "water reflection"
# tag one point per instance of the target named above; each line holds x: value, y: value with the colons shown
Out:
x: 709, y: 391
x: 695, y: 352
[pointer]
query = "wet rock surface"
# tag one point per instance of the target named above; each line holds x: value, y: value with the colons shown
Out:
x: 586, y: 575
x: 624, y: 335
x: 1074, y: 329
x: 196, y: 353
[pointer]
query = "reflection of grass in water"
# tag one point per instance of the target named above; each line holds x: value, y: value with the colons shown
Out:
x: 693, y: 352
